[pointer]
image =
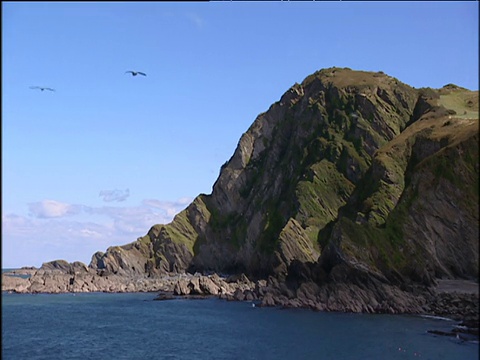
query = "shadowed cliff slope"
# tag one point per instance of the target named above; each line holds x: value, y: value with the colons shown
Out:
x: 350, y: 176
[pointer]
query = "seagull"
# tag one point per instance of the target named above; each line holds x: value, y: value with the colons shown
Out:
x: 42, y: 88
x: 135, y: 73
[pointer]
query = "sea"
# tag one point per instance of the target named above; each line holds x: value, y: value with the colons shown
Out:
x: 136, y: 326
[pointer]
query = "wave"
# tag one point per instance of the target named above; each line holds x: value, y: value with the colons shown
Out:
x: 435, y: 317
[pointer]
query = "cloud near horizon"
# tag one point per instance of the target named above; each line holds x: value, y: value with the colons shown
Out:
x: 28, y: 241
x: 46, y: 209
x: 73, y: 232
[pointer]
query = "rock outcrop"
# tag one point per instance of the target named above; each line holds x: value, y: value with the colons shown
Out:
x: 348, y: 168
x: 353, y: 192
x: 50, y: 279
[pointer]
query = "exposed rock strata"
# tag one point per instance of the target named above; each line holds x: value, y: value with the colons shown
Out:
x: 353, y: 192
x: 371, y: 296
x: 348, y: 168
x: 51, y: 279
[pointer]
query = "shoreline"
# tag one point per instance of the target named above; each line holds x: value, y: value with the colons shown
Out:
x: 450, y: 300
x: 439, y: 300
x: 464, y: 329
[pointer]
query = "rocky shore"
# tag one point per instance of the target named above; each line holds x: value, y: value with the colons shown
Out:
x: 454, y: 299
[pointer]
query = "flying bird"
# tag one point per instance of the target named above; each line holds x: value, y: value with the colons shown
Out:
x: 135, y: 73
x: 42, y: 88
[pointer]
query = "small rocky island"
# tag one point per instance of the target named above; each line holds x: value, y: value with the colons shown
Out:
x: 354, y: 192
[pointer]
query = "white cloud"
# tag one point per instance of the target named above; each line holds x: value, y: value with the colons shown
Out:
x: 114, y: 195
x: 170, y: 208
x: 52, y: 209
x: 54, y: 230
x: 88, y: 233
x: 15, y: 224
x: 74, y: 232
x: 28, y: 241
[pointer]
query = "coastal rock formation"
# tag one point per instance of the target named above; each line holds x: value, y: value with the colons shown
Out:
x: 53, y: 280
x: 353, y: 192
x: 349, y: 169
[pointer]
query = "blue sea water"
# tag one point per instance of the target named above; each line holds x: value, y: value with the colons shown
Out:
x: 134, y: 326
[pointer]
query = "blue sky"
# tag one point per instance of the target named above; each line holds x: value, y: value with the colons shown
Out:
x: 108, y: 155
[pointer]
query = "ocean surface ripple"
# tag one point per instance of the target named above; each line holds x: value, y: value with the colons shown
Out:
x: 133, y: 326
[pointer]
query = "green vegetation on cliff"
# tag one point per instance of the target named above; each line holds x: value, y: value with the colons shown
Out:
x: 348, y: 164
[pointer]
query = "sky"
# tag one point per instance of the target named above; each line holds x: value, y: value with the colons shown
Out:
x: 107, y: 155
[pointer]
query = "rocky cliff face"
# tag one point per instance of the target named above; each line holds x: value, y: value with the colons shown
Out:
x: 350, y: 176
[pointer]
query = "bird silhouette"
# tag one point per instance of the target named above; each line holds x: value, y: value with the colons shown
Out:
x: 135, y: 73
x: 42, y: 88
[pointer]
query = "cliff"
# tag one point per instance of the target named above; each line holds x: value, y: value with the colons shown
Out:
x: 354, y: 191
x: 348, y: 170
